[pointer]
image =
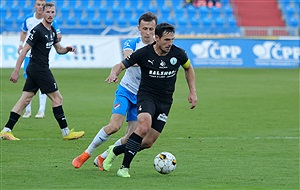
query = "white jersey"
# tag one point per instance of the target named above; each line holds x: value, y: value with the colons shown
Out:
x: 132, y: 77
x: 30, y: 22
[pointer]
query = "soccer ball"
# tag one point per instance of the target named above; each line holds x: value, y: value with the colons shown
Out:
x: 165, y: 162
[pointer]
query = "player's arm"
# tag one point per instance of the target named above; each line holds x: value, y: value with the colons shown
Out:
x: 22, y: 39
x: 63, y: 50
x: 15, y: 75
x: 59, y: 37
x: 190, y: 78
x: 114, y: 73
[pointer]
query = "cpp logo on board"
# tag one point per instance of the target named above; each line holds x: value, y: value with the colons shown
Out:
x: 271, y: 53
x: 211, y: 53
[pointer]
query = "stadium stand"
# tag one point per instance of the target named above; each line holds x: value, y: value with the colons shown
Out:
x: 227, y: 19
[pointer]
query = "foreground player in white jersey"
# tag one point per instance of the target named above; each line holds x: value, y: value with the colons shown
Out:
x: 29, y: 23
x: 126, y: 95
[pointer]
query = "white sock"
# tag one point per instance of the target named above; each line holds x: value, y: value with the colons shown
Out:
x: 28, y: 107
x: 117, y: 143
x: 6, y: 129
x: 65, y: 131
x: 43, y: 101
x: 99, y: 139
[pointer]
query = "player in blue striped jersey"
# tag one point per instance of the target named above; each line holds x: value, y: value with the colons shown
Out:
x: 125, y: 97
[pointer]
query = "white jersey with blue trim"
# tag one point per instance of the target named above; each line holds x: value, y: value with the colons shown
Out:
x: 132, y: 77
x: 30, y: 22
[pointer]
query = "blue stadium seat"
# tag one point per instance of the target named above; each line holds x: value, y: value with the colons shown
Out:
x: 195, y: 22
x: 165, y: 11
x: 90, y: 11
x: 19, y: 21
x: 96, y: 21
x: 110, y: 3
x: 27, y: 10
x: 15, y: 11
x: 115, y: 11
x: 152, y: 9
x: 65, y: 11
x: 122, y: 22
x: 293, y: 22
x: 71, y: 21
x: 3, y: 11
x: 72, y: 3
x: 191, y: 11
x: 134, y: 3
x: 288, y: 11
x: 139, y: 10
x: 127, y: 11
x: 8, y: 21
x: 215, y: 12
x: 83, y: 21
x: 218, y: 25
x: 103, y: 12
x: 21, y: 3
x: 227, y: 11
x: 206, y: 25
x: 182, y: 22
x: 179, y: 11
x: 160, y: 3
x: 133, y: 21
x: 108, y: 21
x: 78, y: 11
x: 170, y: 20
x: 203, y: 10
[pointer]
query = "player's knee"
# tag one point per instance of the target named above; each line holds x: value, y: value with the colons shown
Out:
x: 111, y: 128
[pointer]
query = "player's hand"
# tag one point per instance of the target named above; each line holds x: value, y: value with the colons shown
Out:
x: 71, y: 49
x: 193, y: 99
x: 14, y: 76
x: 111, y: 78
x: 20, y: 49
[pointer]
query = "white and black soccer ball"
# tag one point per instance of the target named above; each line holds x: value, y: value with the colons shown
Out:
x: 165, y: 162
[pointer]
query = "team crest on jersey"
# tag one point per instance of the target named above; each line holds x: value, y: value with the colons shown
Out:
x: 162, y: 65
x: 117, y: 106
x: 173, y: 60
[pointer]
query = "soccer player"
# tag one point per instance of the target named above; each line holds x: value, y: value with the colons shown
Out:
x: 125, y: 100
x: 159, y: 63
x: 39, y: 76
x: 29, y: 23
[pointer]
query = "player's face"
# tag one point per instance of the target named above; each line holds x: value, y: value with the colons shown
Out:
x: 147, y: 31
x: 49, y: 14
x: 39, y: 6
x: 165, y: 43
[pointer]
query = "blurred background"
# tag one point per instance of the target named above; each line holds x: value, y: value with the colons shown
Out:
x: 191, y: 17
x: 214, y: 33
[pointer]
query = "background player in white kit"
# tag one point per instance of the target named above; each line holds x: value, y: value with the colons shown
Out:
x: 126, y: 95
x: 29, y: 23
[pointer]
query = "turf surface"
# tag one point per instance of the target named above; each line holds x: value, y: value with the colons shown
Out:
x: 243, y: 134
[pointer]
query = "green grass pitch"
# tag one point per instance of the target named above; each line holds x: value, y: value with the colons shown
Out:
x: 243, y: 134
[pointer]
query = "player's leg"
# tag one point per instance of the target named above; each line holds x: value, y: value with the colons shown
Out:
x: 42, y: 101
x: 27, y: 113
x: 119, y: 110
x: 59, y: 115
x: 15, y: 115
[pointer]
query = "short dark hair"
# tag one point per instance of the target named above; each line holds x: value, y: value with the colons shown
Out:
x: 148, y: 17
x: 48, y: 5
x: 164, y: 27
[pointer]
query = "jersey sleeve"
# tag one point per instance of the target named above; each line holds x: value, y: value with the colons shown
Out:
x: 24, y: 26
x: 55, y: 25
x: 129, y: 44
x: 185, y: 60
x: 55, y: 39
x: 33, y: 36
x: 132, y: 59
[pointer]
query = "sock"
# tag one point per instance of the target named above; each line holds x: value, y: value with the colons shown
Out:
x: 60, y: 116
x: 65, y: 131
x: 133, y: 145
x: 43, y: 100
x: 99, y: 139
x: 28, y: 107
x: 13, y: 119
x: 117, y: 143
